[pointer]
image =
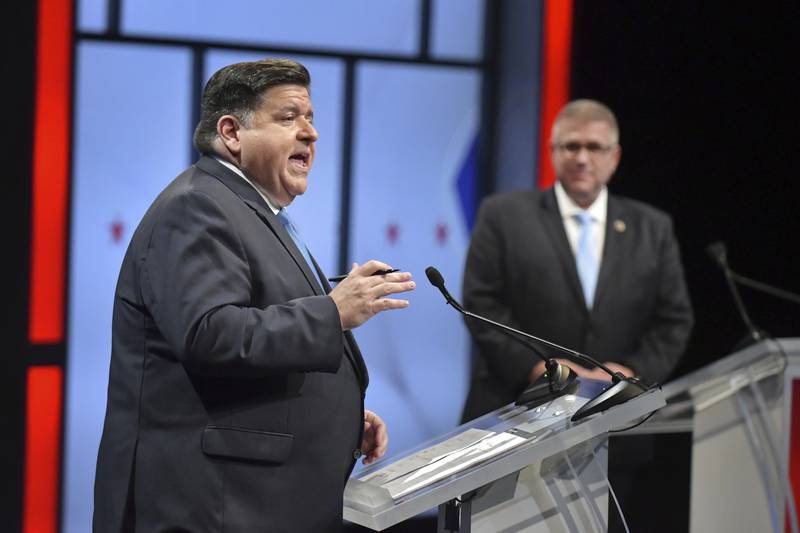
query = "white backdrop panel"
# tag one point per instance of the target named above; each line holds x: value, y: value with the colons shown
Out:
x: 131, y: 139
x: 414, y: 128
x: 457, y: 29
x: 388, y: 26
x: 92, y: 15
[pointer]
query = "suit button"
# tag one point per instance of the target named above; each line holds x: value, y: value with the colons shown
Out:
x: 356, y: 454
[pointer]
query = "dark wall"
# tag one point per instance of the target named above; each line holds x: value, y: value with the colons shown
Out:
x: 18, y: 75
x: 707, y: 114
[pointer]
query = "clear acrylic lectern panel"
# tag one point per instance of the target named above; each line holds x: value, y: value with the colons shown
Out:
x: 515, y: 468
x: 740, y: 411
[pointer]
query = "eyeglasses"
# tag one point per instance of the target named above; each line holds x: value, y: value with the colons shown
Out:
x: 594, y: 149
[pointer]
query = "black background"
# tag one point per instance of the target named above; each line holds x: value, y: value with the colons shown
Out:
x: 708, y: 118
x: 18, y: 74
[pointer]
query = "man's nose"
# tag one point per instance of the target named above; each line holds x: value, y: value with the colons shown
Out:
x: 583, y: 155
x: 308, y: 132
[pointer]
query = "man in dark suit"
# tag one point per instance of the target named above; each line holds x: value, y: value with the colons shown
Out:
x: 588, y: 270
x: 575, y: 265
x: 236, y: 389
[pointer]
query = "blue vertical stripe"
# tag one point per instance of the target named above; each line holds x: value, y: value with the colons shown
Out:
x: 467, y: 184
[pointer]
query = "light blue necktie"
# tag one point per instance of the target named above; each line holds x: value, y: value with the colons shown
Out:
x: 284, y: 219
x: 586, y: 257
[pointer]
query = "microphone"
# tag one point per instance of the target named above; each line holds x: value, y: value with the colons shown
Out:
x: 436, y: 279
x: 719, y: 254
x: 558, y: 379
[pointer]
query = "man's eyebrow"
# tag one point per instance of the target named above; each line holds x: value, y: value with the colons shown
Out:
x: 288, y: 108
x: 293, y: 108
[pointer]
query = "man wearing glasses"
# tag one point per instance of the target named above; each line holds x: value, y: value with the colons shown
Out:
x: 576, y: 265
x: 588, y: 270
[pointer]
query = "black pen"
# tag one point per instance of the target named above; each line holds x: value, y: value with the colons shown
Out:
x: 337, y: 279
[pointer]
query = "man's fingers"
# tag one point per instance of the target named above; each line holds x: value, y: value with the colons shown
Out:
x: 375, y: 444
x: 395, y: 277
x: 387, y: 288
x: 372, y: 266
x: 361, y: 295
x: 386, y: 304
x: 381, y: 439
x: 380, y: 448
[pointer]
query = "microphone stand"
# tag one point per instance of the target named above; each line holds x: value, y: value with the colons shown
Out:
x: 765, y: 288
x: 558, y: 379
x: 719, y: 254
x: 754, y: 333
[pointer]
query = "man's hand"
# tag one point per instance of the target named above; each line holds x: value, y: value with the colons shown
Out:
x: 582, y: 371
x: 376, y: 438
x: 360, y: 296
x: 616, y: 367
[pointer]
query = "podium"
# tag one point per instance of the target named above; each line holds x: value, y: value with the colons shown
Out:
x: 515, y: 469
x: 744, y: 415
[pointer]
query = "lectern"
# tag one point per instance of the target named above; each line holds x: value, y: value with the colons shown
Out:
x: 515, y: 469
x: 744, y: 415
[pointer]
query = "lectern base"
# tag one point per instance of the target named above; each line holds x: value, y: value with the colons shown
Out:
x: 533, y: 500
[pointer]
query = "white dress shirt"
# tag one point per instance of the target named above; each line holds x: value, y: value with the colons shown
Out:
x: 256, y: 186
x: 598, y: 210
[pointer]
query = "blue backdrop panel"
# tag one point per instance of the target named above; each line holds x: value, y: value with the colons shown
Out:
x: 457, y: 29
x: 131, y: 134
x: 92, y: 15
x: 415, y: 127
x: 389, y: 26
x: 316, y: 213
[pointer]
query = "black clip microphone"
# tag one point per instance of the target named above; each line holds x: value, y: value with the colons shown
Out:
x: 719, y: 254
x: 558, y: 379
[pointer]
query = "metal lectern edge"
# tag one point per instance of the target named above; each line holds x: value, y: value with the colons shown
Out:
x: 732, y: 362
x: 514, y: 460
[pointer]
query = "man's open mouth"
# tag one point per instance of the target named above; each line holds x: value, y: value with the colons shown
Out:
x: 301, y: 159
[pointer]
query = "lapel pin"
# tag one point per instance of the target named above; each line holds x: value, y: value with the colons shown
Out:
x: 619, y: 226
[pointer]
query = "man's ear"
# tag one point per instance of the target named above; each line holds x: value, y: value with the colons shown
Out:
x: 228, y: 131
x: 617, y: 154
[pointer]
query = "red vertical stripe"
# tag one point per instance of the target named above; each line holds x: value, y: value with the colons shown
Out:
x: 42, y: 448
x: 556, y: 51
x: 50, y: 170
x: 794, y: 450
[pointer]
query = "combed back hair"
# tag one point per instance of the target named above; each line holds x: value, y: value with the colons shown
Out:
x: 238, y: 90
x: 583, y: 112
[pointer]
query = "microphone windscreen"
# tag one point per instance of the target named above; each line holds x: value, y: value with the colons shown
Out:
x: 435, y: 277
x: 718, y: 252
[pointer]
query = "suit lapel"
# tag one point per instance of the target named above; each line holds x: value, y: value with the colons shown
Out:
x: 265, y: 213
x: 613, y: 248
x: 554, y: 227
x: 253, y: 199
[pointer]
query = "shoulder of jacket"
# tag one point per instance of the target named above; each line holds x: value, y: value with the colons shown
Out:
x: 641, y: 209
x: 512, y: 199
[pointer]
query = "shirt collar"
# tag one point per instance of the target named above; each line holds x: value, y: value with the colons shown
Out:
x: 568, y: 208
x: 256, y: 186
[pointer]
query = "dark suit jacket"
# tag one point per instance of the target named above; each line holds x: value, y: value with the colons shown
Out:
x: 521, y: 271
x: 235, y: 402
